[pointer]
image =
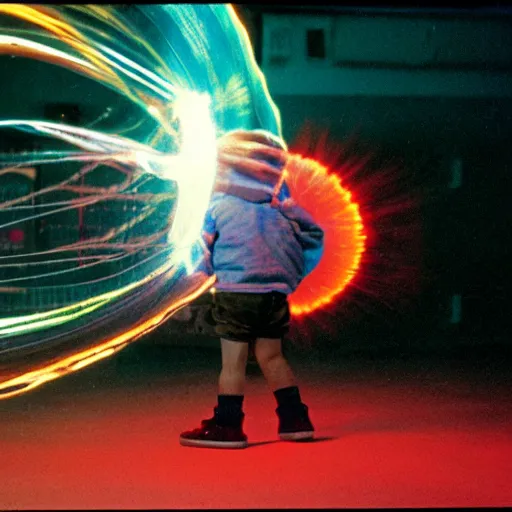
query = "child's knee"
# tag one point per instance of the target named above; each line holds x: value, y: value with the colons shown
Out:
x: 267, y: 351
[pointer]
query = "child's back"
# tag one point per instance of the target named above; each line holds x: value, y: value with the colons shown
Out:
x: 256, y: 248
x: 260, y: 245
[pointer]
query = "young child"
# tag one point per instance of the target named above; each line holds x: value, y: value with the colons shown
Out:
x: 262, y: 245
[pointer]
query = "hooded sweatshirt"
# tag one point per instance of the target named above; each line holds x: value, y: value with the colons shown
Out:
x: 260, y: 239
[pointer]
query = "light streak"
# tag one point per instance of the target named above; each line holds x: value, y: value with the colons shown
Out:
x: 323, y: 195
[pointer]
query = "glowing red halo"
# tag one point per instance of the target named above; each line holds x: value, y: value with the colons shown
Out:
x: 322, y: 194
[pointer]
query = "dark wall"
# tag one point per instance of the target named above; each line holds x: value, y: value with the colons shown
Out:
x: 439, y: 124
x: 466, y: 230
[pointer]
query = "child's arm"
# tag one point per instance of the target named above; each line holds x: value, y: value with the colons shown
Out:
x: 202, y: 250
x: 308, y: 232
x: 209, y: 230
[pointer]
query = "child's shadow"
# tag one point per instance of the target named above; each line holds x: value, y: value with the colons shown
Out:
x: 303, y: 441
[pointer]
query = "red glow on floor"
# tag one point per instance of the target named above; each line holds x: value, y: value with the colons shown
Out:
x: 323, y: 195
x: 108, y: 439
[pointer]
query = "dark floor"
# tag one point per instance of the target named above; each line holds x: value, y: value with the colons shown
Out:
x: 404, y: 431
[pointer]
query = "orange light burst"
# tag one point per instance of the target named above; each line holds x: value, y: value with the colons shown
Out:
x: 322, y: 194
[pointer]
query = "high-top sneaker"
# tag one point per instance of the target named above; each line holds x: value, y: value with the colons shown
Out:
x: 212, y: 435
x: 294, y: 423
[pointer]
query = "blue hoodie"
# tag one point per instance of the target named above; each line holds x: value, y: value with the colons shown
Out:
x: 259, y: 245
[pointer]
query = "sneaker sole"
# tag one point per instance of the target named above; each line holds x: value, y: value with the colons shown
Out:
x: 296, y: 436
x: 213, y: 444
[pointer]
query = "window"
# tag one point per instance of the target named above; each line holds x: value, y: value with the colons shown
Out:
x: 315, y: 41
x: 280, y: 44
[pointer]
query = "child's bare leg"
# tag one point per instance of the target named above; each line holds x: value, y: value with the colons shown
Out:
x: 225, y: 430
x: 234, y: 362
x: 274, y: 366
x: 294, y: 422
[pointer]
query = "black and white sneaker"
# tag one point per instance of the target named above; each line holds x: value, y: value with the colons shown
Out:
x: 212, y: 435
x: 294, y: 423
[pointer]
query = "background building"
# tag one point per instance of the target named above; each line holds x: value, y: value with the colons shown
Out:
x: 431, y: 88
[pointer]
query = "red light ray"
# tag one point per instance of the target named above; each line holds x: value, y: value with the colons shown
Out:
x: 322, y: 194
x: 389, y: 276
